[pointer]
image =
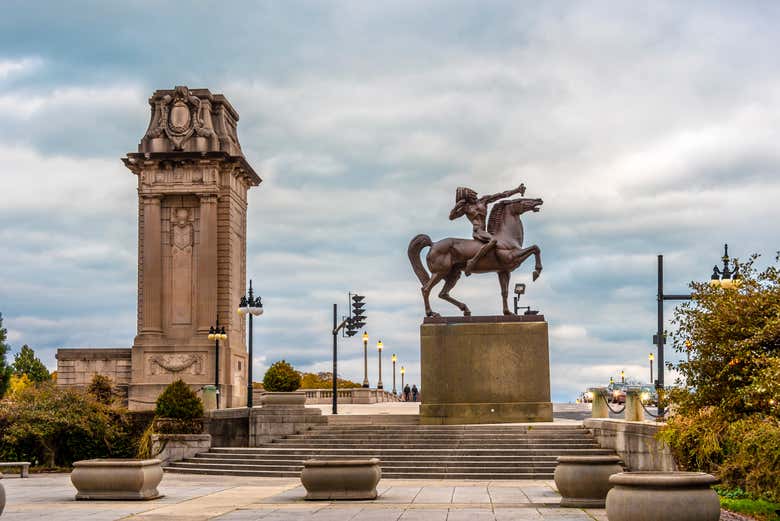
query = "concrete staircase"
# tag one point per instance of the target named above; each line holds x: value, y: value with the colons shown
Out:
x: 409, y: 451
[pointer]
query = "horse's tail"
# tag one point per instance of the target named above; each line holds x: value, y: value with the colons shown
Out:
x: 415, y: 247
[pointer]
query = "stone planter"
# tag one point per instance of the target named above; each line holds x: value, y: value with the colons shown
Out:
x: 662, y: 496
x: 125, y: 479
x: 291, y: 398
x: 583, y: 481
x: 341, y: 479
x: 2, y: 495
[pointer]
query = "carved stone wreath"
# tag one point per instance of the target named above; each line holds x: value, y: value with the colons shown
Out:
x: 175, y: 363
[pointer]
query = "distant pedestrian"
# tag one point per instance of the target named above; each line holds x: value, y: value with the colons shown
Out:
x: 407, y: 393
x: 414, y: 392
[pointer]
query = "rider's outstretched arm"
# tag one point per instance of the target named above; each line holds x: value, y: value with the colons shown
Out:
x: 495, y: 197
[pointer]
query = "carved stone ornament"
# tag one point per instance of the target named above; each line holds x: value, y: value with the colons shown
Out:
x: 178, y: 116
x: 176, y: 363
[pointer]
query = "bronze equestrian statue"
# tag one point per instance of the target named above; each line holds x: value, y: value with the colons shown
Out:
x: 497, y: 247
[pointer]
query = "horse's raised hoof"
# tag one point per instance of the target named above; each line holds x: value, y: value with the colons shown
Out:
x: 466, y: 313
x: 537, y: 273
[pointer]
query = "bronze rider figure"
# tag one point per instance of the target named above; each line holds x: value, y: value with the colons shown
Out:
x: 475, y: 210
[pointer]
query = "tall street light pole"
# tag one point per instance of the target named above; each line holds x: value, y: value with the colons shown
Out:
x: 216, y: 334
x: 725, y: 278
x: 252, y: 307
x: 403, y: 372
x: 365, y: 360
x: 379, y: 347
x: 651, y: 357
x: 394, y: 358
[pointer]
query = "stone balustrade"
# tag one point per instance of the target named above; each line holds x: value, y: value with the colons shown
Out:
x: 349, y: 396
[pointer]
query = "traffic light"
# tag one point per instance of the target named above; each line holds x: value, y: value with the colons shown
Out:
x: 358, y: 313
x: 358, y: 318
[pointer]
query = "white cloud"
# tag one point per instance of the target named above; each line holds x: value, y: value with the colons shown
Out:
x: 11, y: 68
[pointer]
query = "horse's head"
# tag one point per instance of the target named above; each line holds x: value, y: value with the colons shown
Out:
x: 526, y: 205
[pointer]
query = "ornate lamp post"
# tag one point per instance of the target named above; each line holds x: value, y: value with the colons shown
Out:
x: 622, y: 376
x: 216, y: 334
x: 651, y: 357
x: 252, y: 307
x: 365, y: 360
x: 394, y: 359
x: 379, y: 347
x: 725, y: 278
x: 403, y: 372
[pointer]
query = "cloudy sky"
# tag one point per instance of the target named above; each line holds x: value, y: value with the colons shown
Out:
x: 645, y: 130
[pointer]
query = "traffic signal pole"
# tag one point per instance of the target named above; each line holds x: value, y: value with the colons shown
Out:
x: 335, y: 360
x: 352, y: 324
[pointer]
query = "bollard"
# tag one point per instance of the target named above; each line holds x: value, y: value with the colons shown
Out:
x: 600, y: 407
x: 209, y: 397
x: 634, y: 411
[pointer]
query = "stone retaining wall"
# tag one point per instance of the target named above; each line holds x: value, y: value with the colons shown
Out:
x: 176, y: 447
x: 635, y: 443
x: 227, y: 427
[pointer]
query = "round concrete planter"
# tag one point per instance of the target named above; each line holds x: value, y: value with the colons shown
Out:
x: 125, y: 479
x: 583, y: 481
x: 662, y: 496
x: 341, y: 479
x: 2, y: 495
x: 291, y: 398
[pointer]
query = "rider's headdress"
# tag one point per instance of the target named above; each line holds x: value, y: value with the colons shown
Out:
x: 462, y: 192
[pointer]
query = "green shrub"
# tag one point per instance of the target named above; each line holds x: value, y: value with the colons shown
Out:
x: 102, y: 389
x: 179, y: 401
x: 54, y: 427
x: 696, y: 439
x: 281, y: 378
x: 752, y: 457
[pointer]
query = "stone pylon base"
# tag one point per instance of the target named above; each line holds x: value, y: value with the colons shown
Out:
x: 485, y: 370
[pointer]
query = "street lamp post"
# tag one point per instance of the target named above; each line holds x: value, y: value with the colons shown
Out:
x: 394, y: 358
x: 365, y: 360
x: 379, y: 347
x: 622, y: 376
x: 252, y: 307
x: 216, y: 334
x: 725, y: 278
x: 403, y: 372
x: 651, y: 357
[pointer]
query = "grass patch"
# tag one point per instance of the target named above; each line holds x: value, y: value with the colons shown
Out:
x: 737, y: 501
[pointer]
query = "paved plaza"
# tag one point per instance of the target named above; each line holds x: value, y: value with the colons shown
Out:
x: 229, y: 498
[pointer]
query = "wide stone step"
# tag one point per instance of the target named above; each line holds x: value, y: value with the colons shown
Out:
x: 464, y: 459
x: 370, y: 452
x: 388, y: 475
x: 437, y: 436
x: 298, y: 463
x: 423, y: 446
x: 405, y: 467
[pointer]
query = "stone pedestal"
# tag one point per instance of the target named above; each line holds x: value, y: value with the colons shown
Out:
x: 485, y: 370
x: 271, y: 422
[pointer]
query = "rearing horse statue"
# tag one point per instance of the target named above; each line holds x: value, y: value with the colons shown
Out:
x: 449, y: 257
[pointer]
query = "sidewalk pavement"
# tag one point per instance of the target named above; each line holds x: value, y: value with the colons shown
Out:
x: 50, y: 497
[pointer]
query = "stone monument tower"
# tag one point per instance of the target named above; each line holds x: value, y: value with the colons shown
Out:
x: 193, y: 181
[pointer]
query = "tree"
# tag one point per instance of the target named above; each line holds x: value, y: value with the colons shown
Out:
x: 25, y: 362
x: 727, y: 401
x: 325, y: 381
x: 281, y: 377
x: 731, y: 342
x: 5, y: 369
x: 179, y: 401
x: 102, y: 389
x: 57, y: 426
